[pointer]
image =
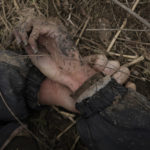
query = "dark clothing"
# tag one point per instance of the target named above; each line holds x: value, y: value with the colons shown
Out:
x: 19, y: 88
x: 11, y: 87
x: 6, y: 130
x: 114, y: 118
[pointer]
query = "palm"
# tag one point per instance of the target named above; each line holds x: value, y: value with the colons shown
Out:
x: 59, y: 61
x: 63, y: 68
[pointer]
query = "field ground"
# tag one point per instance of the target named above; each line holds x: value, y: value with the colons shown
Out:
x: 85, y: 21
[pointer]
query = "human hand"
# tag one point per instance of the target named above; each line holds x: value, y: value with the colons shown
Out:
x: 58, y: 59
x: 47, y: 40
x: 61, y: 55
x: 52, y: 51
x: 62, y: 94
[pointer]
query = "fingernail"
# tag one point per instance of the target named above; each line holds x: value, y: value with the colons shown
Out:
x: 35, y: 50
x: 25, y: 43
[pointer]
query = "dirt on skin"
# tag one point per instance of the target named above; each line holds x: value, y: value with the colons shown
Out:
x: 48, y: 124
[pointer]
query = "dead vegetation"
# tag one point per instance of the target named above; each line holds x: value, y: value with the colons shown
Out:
x: 98, y: 26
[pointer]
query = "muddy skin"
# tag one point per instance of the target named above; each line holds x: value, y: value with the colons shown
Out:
x: 70, y: 63
x: 65, y: 43
x: 50, y: 36
x: 60, y: 61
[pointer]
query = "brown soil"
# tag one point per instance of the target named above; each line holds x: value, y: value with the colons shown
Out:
x: 47, y: 124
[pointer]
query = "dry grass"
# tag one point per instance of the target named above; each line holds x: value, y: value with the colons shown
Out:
x: 85, y: 21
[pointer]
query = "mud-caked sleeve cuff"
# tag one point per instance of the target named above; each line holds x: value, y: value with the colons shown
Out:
x: 101, y: 99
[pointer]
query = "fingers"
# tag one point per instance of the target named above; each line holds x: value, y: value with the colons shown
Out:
x: 111, y: 67
x: 122, y: 75
x: 21, y: 31
x: 31, y: 54
x: 40, y: 26
x: 17, y: 36
x: 24, y: 37
x: 33, y: 38
x: 100, y: 62
x: 21, y: 36
x: 131, y: 85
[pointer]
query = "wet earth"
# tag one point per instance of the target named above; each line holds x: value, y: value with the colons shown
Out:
x: 48, y: 124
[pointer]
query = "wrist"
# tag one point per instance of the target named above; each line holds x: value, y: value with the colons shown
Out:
x: 96, y: 100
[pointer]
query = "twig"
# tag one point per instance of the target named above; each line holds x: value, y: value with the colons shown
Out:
x: 132, y: 50
x: 94, y: 42
x: 57, y: 11
x: 141, y: 58
x: 116, y: 35
x: 121, y: 39
x: 4, y: 14
x: 4, y: 19
x: 129, y: 30
x: 65, y: 114
x: 77, y: 30
x: 37, y: 8
x: 144, y: 21
x: 16, y: 5
x: 5, y: 23
x: 108, y: 2
x: 58, y: 3
x: 14, y: 133
x: 82, y: 31
x: 75, y: 142
x: 64, y: 131
x: 125, y: 56
x: 3, y: 8
x: 121, y: 28
x: 70, y: 21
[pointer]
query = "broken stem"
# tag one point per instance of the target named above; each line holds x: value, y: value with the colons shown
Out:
x: 144, y: 21
x: 121, y: 28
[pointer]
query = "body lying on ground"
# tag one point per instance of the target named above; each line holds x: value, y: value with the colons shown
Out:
x: 113, y: 117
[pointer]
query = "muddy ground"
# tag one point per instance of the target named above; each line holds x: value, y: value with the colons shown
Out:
x: 95, y: 15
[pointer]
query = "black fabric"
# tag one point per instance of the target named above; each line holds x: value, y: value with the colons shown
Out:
x: 121, y: 124
x: 19, y: 93
x: 32, y: 86
x: 102, y: 99
x: 23, y: 143
x: 11, y: 87
x: 6, y: 130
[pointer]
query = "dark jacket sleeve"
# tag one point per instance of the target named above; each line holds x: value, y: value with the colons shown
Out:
x: 11, y: 89
x: 19, y: 93
x: 115, y: 118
